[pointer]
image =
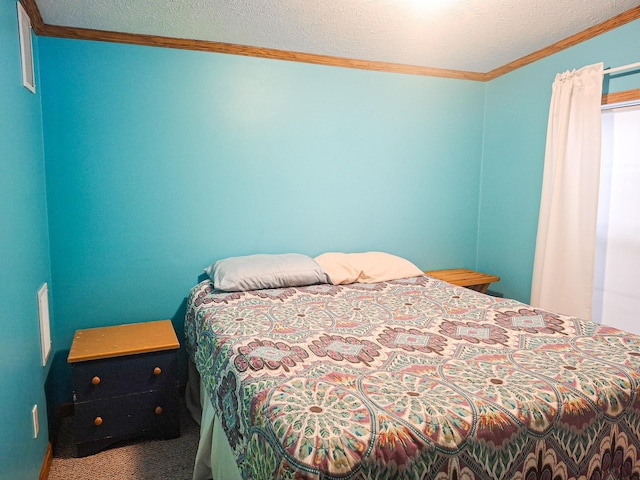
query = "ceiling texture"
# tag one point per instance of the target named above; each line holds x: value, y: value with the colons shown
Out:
x: 461, y: 35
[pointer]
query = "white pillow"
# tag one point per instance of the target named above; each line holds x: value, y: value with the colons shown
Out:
x: 260, y: 271
x: 368, y: 267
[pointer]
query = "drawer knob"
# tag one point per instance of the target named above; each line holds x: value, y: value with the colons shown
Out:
x: 95, y: 380
x: 97, y: 421
x: 157, y: 371
x: 158, y: 410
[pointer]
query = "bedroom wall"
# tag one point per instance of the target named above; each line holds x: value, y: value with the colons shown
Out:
x: 161, y: 161
x: 517, y: 109
x: 24, y: 251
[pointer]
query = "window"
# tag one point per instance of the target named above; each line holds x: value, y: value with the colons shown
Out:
x: 616, y: 300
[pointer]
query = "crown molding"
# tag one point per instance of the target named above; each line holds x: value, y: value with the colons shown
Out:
x: 573, y: 40
x: 46, y: 30
x: 244, y: 50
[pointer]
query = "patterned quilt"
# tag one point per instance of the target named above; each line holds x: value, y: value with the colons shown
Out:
x: 414, y: 379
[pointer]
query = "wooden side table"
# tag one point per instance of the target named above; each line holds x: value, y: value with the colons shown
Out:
x: 465, y: 278
x: 125, y: 384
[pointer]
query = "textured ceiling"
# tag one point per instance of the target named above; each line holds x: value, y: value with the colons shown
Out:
x: 467, y: 35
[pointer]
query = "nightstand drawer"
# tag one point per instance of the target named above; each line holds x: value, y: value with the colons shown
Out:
x: 111, y: 377
x: 153, y: 412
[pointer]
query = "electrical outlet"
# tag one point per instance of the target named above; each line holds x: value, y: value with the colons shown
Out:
x: 34, y: 415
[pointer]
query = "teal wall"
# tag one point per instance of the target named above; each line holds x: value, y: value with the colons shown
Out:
x: 517, y: 109
x: 24, y: 251
x: 161, y: 161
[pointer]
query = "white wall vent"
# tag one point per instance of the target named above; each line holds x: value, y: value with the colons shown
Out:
x: 45, y: 327
x: 26, y: 49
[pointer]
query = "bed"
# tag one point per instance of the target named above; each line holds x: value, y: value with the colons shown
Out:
x: 406, y: 378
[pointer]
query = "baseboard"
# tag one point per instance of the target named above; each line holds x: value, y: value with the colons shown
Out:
x: 46, y: 463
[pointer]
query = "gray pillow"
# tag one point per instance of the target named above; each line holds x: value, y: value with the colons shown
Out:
x: 261, y: 271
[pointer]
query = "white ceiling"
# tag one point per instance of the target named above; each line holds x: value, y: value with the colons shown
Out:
x: 468, y: 35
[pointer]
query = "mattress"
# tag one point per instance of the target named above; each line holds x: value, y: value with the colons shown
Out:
x: 413, y: 379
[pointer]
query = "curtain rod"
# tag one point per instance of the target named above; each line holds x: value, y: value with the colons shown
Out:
x: 619, y: 69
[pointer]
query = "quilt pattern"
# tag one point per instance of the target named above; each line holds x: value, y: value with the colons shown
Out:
x: 414, y: 379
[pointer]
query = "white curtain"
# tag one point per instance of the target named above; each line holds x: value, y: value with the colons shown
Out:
x: 565, y: 246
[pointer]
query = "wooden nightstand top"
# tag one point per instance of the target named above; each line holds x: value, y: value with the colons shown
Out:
x: 120, y: 340
x: 465, y: 278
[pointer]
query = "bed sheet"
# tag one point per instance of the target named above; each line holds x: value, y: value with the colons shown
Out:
x: 414, y: 378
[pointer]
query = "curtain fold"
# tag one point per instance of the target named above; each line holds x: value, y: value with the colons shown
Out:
x: 565, y: 246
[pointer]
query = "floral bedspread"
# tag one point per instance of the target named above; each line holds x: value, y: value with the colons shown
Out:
x: 414, y: 379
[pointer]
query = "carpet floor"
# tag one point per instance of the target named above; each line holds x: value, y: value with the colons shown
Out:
x: 141, y: 459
